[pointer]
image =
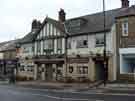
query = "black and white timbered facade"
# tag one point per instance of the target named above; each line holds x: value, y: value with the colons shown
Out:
x: 49, y: 50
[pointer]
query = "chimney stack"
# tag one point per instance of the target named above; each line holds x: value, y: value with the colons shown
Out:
x: 35, y: 25
x: 125, y: 3
x: 62, y: 15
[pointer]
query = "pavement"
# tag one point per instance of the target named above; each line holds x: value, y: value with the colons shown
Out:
x: 54, y: 85
x: 118, y: 88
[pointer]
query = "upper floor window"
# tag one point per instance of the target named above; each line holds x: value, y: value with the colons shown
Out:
x: 69, y: 44
x: 59, y: 43
x: 59, y: 46
x: 38, y: 46
x: 75, y: 23
x: 82, y: 43
x: 125, y: 28
x: 99, y: 40
x: 49, y: 44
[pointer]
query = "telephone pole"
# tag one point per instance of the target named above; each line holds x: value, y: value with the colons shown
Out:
x: 105, y: 57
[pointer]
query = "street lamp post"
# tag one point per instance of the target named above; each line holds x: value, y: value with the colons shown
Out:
x: 105, y: 58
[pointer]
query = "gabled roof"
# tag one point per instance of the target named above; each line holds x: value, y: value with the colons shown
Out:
x: 32, y: 35
x: 56, y: 23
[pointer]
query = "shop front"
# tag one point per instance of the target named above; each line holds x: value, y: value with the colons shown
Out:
x: 127, y: 64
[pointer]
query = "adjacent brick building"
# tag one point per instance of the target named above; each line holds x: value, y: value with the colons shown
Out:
x: 125, y: 27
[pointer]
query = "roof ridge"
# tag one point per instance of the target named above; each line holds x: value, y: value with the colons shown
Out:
x: 52, y: 19
x: 92, y: 14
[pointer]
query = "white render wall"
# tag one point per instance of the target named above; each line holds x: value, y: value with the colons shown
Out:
x: 91, y: 44
x: 113, y: 47
x: 1, y: 55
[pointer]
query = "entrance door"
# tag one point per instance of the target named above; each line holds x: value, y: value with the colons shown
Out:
x: 39, y: 72
x: 49, y: 72
x: 99, y: 68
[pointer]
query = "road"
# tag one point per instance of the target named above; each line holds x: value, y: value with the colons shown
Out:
x: 14, y: 93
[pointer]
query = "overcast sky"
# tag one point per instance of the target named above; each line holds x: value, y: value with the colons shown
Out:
x: 16, y: 15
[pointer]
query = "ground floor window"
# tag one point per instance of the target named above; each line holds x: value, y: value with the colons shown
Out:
x: 127, y: 64
x: 82, y: 69
x: 22, y: 68
x: 29, y: 68
x: 71, y: 69
x: 59, y: 69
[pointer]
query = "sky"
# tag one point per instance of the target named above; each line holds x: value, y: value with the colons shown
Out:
x: 16, y: 15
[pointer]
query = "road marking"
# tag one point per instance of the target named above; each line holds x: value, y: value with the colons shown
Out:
x: 60, y: 98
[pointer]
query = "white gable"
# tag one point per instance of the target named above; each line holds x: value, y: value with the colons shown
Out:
x: 48, y: 30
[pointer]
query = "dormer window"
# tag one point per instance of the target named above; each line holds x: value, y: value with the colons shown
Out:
x: 125, y: 28
x: 75, y: 24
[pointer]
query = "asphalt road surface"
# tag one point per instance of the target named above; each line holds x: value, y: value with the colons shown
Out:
x: 14, y: 93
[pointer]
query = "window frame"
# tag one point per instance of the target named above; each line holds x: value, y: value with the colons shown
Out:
x: 80, y: 43
x: 125, y: 28
x: 98, y: 38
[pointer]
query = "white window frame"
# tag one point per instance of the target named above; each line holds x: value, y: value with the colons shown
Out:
x: 125, y: 28
x: 99, y: 40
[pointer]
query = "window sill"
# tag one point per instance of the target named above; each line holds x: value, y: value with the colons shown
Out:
x: 81, y: 47
x: 99, y: 45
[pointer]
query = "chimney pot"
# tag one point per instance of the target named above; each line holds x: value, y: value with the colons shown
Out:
x: 35, y: 25
x: 62, y: 15
x: 125, y: 3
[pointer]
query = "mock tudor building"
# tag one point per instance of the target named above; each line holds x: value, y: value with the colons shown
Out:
x: 84, y: 47
x: 125, y: 23
x: 50, y: 49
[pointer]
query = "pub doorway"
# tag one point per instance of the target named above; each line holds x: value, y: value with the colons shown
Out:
x: 39, y: 72
x: 48, y: 72
x: 99, y: 70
